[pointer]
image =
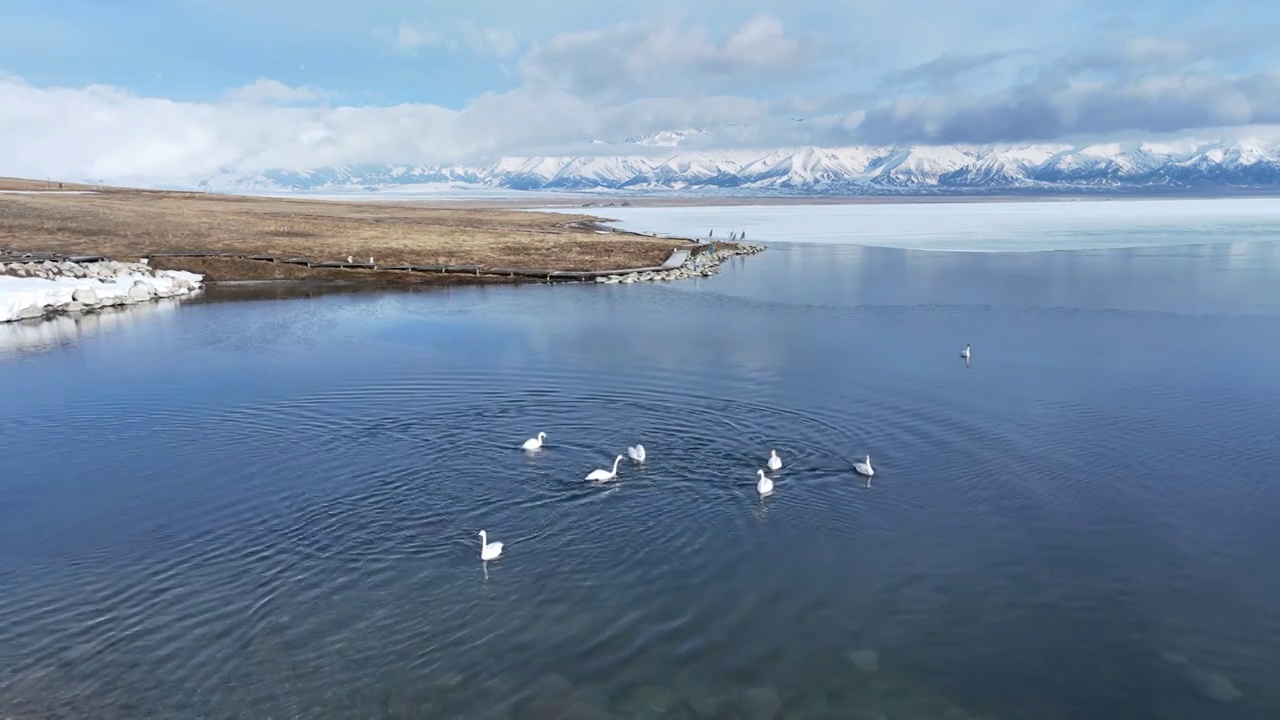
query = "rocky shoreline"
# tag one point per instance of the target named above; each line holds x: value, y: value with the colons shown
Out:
x: 34, y: 290
x: 30, y: 291
x: 704, y: 264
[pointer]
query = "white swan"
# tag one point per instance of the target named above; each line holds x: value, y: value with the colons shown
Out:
x: 534, y: 443
x: 764, y: 485
x: 965, y: 353
x: 606, y: 474
x: 488, y: 550
x: 864, y: 467
x: 636, y: 453
x: 775, y: 462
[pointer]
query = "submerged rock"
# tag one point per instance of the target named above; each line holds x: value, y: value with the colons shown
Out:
x: 708, y: 704
x: 760, y: 703
x: 1211, y: 685
x: 650, y: 699
x: 552, y: 685
x: 866, y: 660
x: 557, y: 709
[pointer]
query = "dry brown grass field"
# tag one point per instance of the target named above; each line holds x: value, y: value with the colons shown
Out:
x: 128, y: 223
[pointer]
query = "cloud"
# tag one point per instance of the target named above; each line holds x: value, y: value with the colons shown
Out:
x: 101, y: 132
x: 1045, y: 110
x: 407, y: 39
x: 489, y: 41
x: 265, y: 91
x: 668, y: 56
x: 742, y: 82
x: 945, y: 69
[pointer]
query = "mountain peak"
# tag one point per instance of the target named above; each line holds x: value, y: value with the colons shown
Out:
x: 1200, y: 165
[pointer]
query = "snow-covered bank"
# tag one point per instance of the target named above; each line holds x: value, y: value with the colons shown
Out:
x: 703, y: 264
x: 33, y: 290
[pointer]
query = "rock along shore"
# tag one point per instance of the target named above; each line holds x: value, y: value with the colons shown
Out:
x: 34, y: 290
x: 704, y: 264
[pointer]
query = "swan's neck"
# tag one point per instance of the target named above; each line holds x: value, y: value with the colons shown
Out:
x: 615, y: 463
x: 483, y: 539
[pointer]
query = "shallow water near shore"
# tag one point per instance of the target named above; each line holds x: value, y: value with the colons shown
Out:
x: 269, y: 508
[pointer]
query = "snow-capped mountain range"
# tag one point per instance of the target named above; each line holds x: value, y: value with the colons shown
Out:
x: 1153, y: 167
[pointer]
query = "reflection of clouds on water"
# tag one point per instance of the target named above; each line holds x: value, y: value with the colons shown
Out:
x: 608, y: 323
x: 860, y: 289
x: 64, y: 331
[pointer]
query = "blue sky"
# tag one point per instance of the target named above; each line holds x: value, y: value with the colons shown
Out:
x: 132, y: 87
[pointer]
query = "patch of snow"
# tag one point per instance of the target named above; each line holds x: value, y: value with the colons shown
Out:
x: 22, y: 293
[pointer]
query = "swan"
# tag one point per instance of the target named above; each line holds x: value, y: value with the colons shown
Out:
x: 775, y: 462
x: 864, y: 467
x: 350, y: 259
x: 965, y: 353
x: 606, y: 474
x: 534, y: 443
x: 488, y: 550
x: 636, y: 453
x: 764, y: 485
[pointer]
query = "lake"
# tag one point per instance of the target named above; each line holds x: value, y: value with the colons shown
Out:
x: 265, y: 503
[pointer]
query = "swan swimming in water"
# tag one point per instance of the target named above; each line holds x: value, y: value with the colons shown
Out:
x: 775, y: 462
x: 636, y: 453
x: 864, y: 467
x: 488, y: 550
x: 965, y: 353
x: 606, y: 474
x: 534, y: 443
x: 764, y: 485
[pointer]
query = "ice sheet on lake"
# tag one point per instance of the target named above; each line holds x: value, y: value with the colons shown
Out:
x: 970, y: 226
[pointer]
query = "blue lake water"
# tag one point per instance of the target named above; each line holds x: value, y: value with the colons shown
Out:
x: 268, y: 508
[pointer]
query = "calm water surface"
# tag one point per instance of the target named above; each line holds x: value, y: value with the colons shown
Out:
x: 269, y: 509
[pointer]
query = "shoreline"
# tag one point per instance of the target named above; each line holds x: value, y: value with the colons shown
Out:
x: 246, y: 238
x: 215, y: 268
x: 226, y: 238
x: 43, y: 288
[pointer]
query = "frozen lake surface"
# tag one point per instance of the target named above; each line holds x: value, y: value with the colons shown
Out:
x: 970, y: 226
